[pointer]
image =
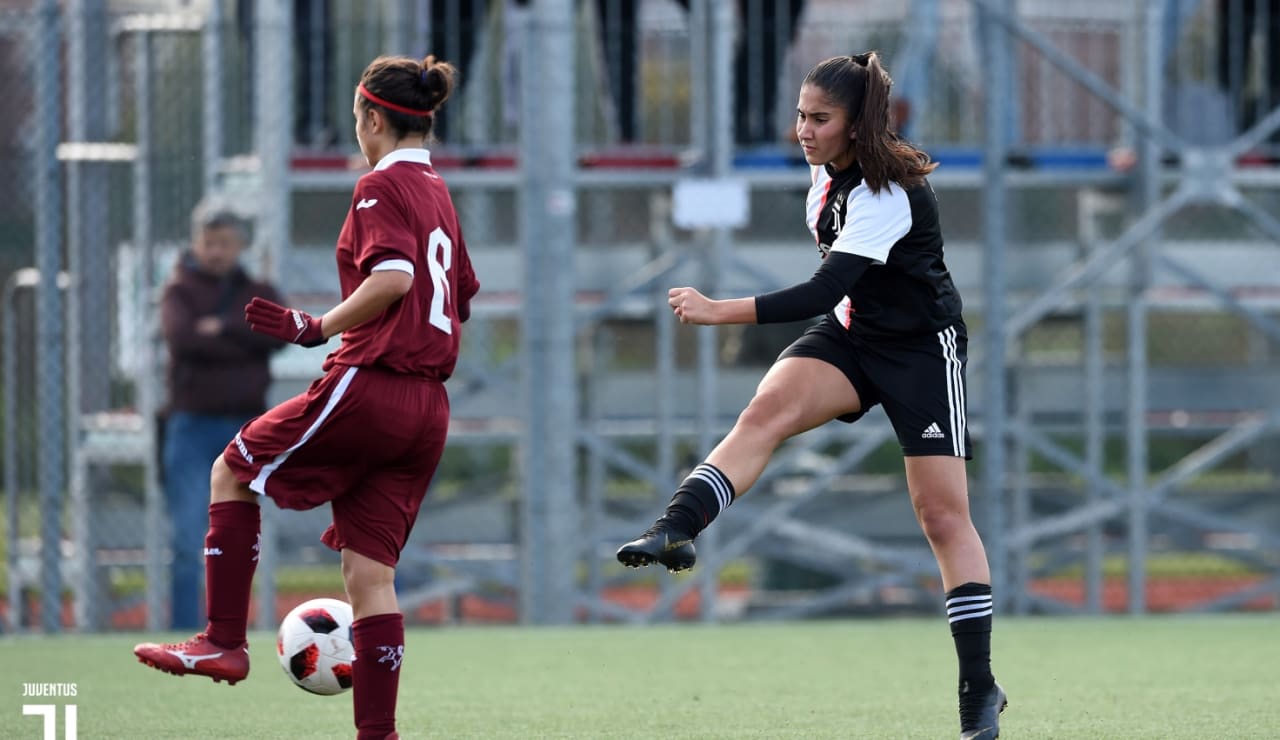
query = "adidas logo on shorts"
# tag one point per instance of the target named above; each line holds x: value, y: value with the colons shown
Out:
x: 933, y: 432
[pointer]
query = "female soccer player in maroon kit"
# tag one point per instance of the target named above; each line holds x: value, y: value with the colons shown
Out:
x: 368, y: 435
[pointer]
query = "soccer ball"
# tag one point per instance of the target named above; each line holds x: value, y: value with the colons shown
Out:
x: 314, y: 646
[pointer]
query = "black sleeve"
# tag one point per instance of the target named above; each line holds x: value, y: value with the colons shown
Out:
x: 833, y: 280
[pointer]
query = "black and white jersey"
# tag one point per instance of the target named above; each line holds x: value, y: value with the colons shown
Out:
x: 908, y: 290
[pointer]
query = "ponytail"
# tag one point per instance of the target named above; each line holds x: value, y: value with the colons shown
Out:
x: 436, y: 79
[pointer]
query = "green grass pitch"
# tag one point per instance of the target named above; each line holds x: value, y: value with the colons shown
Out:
x: 1159, y: 677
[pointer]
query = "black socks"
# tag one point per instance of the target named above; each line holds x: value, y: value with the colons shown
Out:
x: 699, y: 499
x: 969, y: 612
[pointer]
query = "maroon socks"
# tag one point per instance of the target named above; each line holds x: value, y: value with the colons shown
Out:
x: 230, y: 558
x: 375, y: 681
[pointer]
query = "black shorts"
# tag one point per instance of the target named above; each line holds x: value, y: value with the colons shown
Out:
x: 919, y: 381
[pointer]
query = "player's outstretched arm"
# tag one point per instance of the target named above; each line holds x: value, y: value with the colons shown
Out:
x: 375, y: 294
x: 692, y: 307
x: 372, y: 297
x: 817, y: 295
x: 289, y: 324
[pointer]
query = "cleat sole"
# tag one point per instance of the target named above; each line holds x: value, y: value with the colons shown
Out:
x: 642, y: 559
x: 163, y: 669
x: 636, y: 559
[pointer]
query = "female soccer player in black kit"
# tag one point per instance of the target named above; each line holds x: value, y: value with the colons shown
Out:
x: 892, y: 334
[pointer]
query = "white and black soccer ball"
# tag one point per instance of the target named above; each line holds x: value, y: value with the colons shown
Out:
x: 314, y: 646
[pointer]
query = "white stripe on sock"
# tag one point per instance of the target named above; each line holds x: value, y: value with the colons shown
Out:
x: 962, y: 599
x: 967, y: 609
x: 716, y: 480
x: 969, y: 616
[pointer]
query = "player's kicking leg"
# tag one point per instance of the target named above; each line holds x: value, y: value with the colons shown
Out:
x: 666, y: 542
x: 796, y: 395
x: 221, y: 652
x: 700, y: 498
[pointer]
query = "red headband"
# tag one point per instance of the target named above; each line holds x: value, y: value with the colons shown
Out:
x: 389, y: 105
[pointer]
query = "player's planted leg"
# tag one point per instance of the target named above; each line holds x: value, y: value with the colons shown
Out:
x: 969, y: 609
x: 702, y: 496
x: 378, y: 638
x: 980, y: 709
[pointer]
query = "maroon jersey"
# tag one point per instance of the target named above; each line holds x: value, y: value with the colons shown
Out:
x: 402, y: 218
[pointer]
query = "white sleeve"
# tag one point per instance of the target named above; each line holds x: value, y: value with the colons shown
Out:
x: 393, y: 264
x: 874, y: 223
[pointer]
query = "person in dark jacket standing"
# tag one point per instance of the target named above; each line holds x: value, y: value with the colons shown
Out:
x: 217, y: 379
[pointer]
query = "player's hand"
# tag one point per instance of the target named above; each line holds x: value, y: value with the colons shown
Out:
x: 690, y: 306
x: 288, y: 324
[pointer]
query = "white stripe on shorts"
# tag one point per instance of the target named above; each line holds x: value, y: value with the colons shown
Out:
x: 955, y: 389
x: 259, y: 484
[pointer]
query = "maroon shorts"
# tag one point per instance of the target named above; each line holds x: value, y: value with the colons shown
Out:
x: 364, y: 439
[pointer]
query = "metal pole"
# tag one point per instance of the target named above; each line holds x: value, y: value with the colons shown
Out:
x: 397, y: 30
x: 89, y: 260
x: 78, y: 92
x: 273, y: 127
x: 593, y: 513
x: 49, y: 310
x: 81, y: 582
x: 752, y: 21
x: 146, y: 384
x: 317, y: 33
x: 547, y: 218
x: 533, y: 320
x: 24, y: 278
x: 664, y: 341
x: 1019, y: 559
x: 420, y: 42
x: 88, y: 253
x: 699, y: 84
x: 273, y: 141
x: 344, y: 19
x: 1136, y: 318
x: 997, y: 52
x: 211, y: 121
x: 720, y: 142
x: 1094, y: 426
